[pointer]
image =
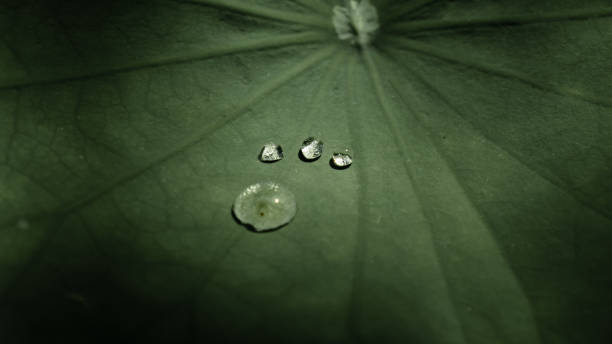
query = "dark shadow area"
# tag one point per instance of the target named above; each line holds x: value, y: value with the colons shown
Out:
x: 87, y: 306
x: 67, y: 40
x: 268, y: 162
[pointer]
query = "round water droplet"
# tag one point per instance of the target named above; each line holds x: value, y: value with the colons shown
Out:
x: 311, y: 149
x: 271, y: 152
x: 265, y: 206
x: 341, y: 160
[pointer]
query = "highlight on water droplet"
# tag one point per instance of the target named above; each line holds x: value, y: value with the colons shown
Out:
x: 341, y: 160
x: 271, y: 152
x: 265, y: 206
x: 311, y: 149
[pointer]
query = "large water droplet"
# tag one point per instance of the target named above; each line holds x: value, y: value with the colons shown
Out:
x: 311, y: 149
x: 265, y: 206
x: 271, y: 152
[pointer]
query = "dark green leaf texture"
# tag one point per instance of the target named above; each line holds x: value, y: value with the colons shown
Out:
x: 478, y: 209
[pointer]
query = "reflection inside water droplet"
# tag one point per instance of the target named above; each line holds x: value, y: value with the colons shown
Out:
x: 311, y: 149
x: 341, y: 160
x: 271, y: 152
x: 265, y: 206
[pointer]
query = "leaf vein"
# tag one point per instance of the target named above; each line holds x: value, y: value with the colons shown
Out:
x: 401, y: 143
x: 223, y: 119
x: 445, y: 24
x: 264, y: 12
x: 428, y: 50
x: 193, y: 56
x: 554, y: 182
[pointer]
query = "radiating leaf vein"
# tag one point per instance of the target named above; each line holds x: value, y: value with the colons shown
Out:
x: 446, y: 24
x: 196, y: 54
x: 394, y: 125
x: 220, y: 121
x: 448, y: 56
x: 404, y: 10
x: 550, y: 179
x: 317, y: 6
x: 264, y: 12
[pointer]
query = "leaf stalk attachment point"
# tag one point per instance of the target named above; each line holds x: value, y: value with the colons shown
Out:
x: 356, y: 22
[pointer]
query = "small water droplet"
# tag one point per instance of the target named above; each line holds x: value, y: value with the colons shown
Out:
x: 271, y: 152
x: 265, y: 206
x: 311, y: 149
x: 341, y: 160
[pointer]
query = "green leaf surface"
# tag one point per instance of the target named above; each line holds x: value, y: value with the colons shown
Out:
x: 478, y: 208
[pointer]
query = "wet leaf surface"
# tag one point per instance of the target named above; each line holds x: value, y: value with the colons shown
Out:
x: 478, y: 208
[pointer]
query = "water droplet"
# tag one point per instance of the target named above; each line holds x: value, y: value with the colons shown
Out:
x: 311, y: 149
x: 341, y: 160
x: 265, y: 206
x: 271, y: 152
